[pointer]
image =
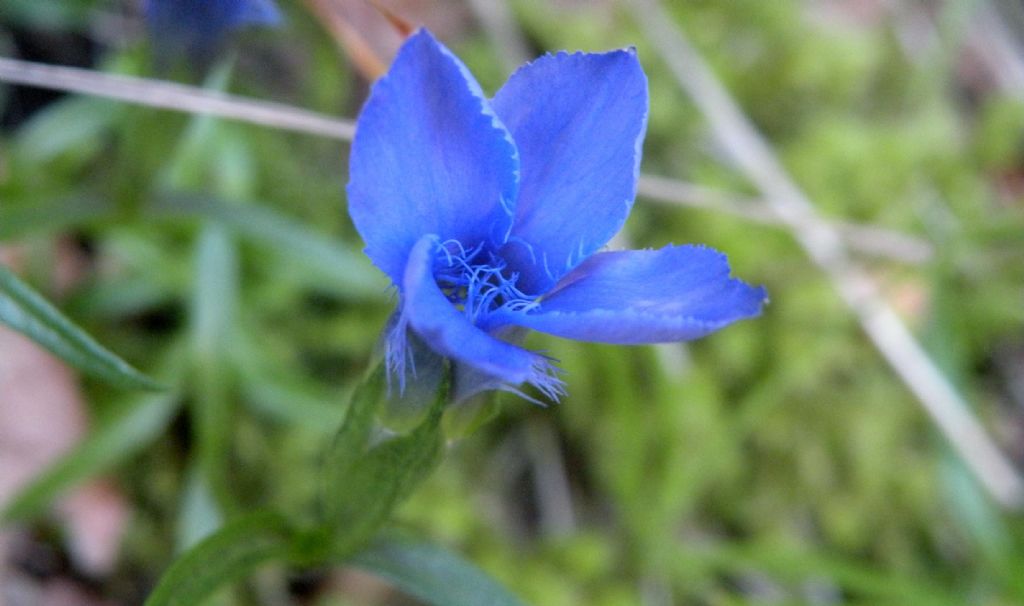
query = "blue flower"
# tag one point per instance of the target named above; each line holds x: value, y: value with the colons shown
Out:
x: 194, y: 27
x: 489, y: 214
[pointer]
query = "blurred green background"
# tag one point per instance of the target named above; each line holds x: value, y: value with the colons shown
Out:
x: 780, y: 461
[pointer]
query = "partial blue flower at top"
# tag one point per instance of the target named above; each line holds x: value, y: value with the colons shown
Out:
x: 195, y: 27
x: 489, y: 214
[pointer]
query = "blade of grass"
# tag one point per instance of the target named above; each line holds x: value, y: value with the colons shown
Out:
x: 27, y: 312
x: 52, y: 216
x: 349, y: 270
x: 432, y: 574
x: 161, y: 94
x: 225, y: 556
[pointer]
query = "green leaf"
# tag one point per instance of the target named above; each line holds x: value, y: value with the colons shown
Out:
x: 225, y: 556
x: 292, y: 404
x: 362, y: 490
x: 27, y: 312
x: 215, y: 293
x: 73, y: 123
x: 199, y: 516
x: 212, y: 313
x: 54, y: 16
x: 351, y: 272
x: 112, y: 443
x: 432, y: 574
x: 195, y: 155
x: 53, y: 216
x: 280, y: 392
x: 350, y: 443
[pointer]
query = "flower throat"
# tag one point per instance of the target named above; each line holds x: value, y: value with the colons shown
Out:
x: 477, y: 282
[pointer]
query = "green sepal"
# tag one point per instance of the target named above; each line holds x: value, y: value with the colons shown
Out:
x: 364, y: 481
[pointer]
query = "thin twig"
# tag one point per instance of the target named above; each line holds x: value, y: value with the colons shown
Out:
x: 869, y: 240
x: 865, y: 239
x: 754, y: 157
x: 177, y: 97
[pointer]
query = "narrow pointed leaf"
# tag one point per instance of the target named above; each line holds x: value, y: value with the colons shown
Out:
x: 350, y: 271
x: 199, y: 515
x: 18, y: 220
x: 27, y: 312
x: 432, y: 574
x: 212, y: 312
x: 227, y: 555
x: 281, y: 392
x: 72, y: 123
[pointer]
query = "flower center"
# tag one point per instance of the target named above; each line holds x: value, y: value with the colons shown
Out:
x: 475, y: 280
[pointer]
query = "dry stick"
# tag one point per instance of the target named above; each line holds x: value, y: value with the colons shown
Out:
x: 752, y: 154
x: 866, y: 239
x: 168, y: 95
x: 869, y: 240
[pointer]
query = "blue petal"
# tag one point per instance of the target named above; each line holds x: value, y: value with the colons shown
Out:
x: 578, y: 121
x: 258, y: 12
x: 195, y: 26
x: 449, y: 332
x: 677, y: 293
x: 429, y: 157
